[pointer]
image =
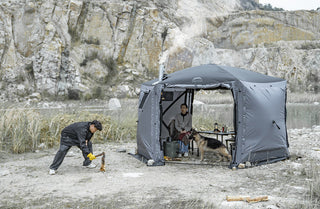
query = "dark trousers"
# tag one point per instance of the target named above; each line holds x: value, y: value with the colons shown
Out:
x: 58, y: 159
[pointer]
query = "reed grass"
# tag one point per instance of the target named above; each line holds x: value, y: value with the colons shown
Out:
x: 20, y: 130
x: 24, y: 129
x: 303, y: 98
x: 313, y: 195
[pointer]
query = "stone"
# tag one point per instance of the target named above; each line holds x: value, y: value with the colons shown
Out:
x: 42, y: 146
x: 123, y: 91
x: 316, y: 128
x: 51, y: 47
x: 150, y: 162
x: 272, y: 207
x: 4, y: 172
x: 241, y: 165
x: 121, y: 150
x: 114, y: 104
x: 35, y: 95
x: 248, y: 164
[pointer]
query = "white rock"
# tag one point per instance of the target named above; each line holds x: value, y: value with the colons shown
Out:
x: 21, y: 87
x: 137, y: 91
x: 114, y: 104
x: 42, y: 146
x: 4, y: 172
x: 124, y: 88
x: 35, y: 95
x: 150, y: 162
x: 271, y: 207
x: 241, y: 165
x: 197, y: 102
x: 45, y: 105
x: 316, y: 128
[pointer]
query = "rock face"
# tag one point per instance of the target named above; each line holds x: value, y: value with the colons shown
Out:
x: 73, y: 49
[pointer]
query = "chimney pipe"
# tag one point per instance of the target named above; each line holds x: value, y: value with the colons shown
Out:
x: 161, y: 71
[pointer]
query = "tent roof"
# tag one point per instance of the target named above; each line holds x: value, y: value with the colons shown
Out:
x: 211, y: 74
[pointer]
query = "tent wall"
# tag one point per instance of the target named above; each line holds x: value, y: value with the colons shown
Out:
x: 148, y: 130
x: 260, y: 111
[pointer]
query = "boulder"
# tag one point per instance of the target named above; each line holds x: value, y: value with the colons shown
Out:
x: 114, y: 104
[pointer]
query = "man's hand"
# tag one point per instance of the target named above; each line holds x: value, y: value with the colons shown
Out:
x: 91, y: 156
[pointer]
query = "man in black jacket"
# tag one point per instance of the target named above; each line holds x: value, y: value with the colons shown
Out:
x: 76, y: 134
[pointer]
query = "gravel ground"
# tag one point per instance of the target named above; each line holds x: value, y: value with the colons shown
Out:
x: 128, y: 183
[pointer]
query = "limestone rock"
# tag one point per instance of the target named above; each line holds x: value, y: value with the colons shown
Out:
x: 80, y: 49
x: 35, y: 95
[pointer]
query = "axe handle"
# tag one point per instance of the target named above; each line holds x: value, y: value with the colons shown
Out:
x: 98, y: 155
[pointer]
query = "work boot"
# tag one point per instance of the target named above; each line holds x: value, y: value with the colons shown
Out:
x: 52, y: 172
x: 91, y: 165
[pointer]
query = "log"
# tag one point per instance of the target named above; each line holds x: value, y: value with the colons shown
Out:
x: 257, y: 199
x: 102, y: 167
x: 237, y: 198
x: 247, y: 198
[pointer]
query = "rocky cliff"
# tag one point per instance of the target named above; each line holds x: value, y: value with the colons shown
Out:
x: 73, y: 49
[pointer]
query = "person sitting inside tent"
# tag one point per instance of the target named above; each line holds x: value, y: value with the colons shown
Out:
x: 183, y: 124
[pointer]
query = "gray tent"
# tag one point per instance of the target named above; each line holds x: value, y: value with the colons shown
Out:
x: 259, y: 111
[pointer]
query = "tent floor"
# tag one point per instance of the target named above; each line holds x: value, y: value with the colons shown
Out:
x: 209, y: 159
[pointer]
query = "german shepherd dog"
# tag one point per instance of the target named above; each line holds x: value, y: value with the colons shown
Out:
x: 210, y: 144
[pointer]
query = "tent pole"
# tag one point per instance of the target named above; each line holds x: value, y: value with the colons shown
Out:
x: 161, y: 119
x: 174, y: 102
x: 164, y: 112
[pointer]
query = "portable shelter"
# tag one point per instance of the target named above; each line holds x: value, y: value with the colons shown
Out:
x: 259, y: 111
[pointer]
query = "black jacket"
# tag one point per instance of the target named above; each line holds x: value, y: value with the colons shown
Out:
x: 76, y: 134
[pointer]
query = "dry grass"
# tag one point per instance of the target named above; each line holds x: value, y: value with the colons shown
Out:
x: 20, y: 130
x: 313, y: 195
x: 303, y: 98
x: 225, y: 97
x: 23, y: 129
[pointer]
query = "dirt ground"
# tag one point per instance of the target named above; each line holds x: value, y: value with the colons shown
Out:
x: 129, y: 183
